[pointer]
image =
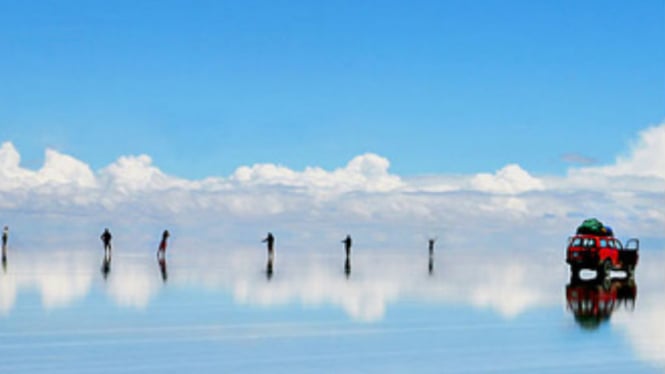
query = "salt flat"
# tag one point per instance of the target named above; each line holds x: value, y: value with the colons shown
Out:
x: 67, y: 311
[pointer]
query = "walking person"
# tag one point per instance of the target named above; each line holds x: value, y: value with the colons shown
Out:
x: 347, y: 245
x: 270, y: 240
x: 106, y: 239
x: 161, y: 251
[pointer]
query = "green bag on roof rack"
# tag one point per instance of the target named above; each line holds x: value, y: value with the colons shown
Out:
x: 592, y: 226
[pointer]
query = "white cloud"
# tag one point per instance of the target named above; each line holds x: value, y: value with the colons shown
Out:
x: 58, y: 169
x: 368, y: 172
x: 362, y: 193
x: 646, y: 157
x: 511, y: 179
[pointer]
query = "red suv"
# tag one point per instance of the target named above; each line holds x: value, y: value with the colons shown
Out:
x: 601, y: 253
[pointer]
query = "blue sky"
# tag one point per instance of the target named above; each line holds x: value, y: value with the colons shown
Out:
x: 435, y: 87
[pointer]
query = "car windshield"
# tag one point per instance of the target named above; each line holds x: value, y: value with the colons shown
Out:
x: 588, y: 242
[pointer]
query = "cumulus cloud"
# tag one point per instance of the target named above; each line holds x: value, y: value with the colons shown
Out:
x: 361, y: 193
x: 511, y: 179
x: 646, y: 157
x: 58, y: 169
x: 368, y: 172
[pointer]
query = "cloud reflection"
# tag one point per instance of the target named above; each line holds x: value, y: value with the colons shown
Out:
x: 644, y: 326
x: 60, y: 278
x: 509, y: 284
x: 506, y: 282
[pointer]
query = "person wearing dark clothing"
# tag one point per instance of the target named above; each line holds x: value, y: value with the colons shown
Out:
x: 161, y: 251
x: 106, y: 239
x: 270, y: 240
x: 431, y: 246
x: 347, y: 245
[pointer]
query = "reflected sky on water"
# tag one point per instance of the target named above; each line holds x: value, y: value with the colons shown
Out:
x: 463, y: 310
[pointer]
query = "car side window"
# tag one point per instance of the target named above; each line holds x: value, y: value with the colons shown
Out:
x: 618, y: 244
x: 610, y: 243
x: 589, y: 243
x: 603, y: 243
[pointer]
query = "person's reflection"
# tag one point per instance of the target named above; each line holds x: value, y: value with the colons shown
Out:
x: 347, y: 267
x: 162, y: 268
x: 106, y: 265
x: 4, y: 263
x: 269, y: 268
x: 5, y: 238
x: 430, y: 266
x: 593, y: 301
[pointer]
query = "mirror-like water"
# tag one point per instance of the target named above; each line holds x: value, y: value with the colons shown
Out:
x: 458, y: 311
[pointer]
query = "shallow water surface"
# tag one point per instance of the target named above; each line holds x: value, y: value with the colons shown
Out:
x: 460, y: 311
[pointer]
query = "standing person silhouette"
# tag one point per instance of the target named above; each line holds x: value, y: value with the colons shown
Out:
x: 5, y: 238
x: 106, y: 239
x: 270, y: 240
x: 347, y: 245
x: 431, y: 246
x: 161, y: 251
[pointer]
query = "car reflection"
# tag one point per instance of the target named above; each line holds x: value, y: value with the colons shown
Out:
x: 593, y: 301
